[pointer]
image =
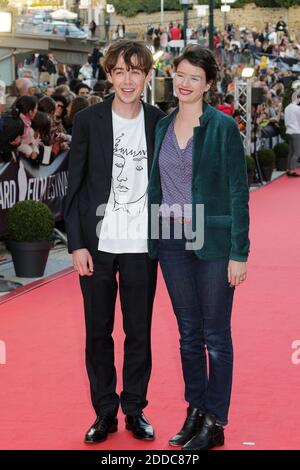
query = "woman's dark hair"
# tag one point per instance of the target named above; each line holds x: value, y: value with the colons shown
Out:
x: 62, y: 80
x: 99, y: 88
x: 47, y: 105
x: 129, y: 50
x: 42, y: 124
x: 11, y: 127
x: 229, y: 99
x: 79, y: 103
x: 58, y: 97
x: 63, y: 100
x: 200, y: 57
x: 73, y: 83
x: 215, y: 99
x: 24, y: 105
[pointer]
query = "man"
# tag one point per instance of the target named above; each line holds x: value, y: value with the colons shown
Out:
x: 227, y: 107
x: 52, y: 69
x: 110, y: 161
x: 82, y: 89
x: 281, y: 25
x: 25, y: 86
x: 50, y: 90
x: 292, y: 124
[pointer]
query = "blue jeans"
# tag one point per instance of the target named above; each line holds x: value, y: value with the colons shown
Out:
x: 202, y: 302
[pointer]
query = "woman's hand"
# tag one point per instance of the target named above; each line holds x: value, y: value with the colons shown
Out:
x: 237, y: 272
x: 64, y: 146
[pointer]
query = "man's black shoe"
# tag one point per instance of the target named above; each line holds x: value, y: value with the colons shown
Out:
x: 99, y: 430
x: 293, y: 174
x: 191, y: 426
x: 140, y: 427
x: 208, y: 437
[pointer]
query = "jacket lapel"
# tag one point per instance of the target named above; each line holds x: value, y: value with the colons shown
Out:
x: 198, y: 161
x: 104, y: 137
x: 149, y: 130
x: 198, y: 142
x: 154, y: 181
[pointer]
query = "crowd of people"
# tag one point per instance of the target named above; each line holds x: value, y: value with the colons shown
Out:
x: 235, y: 48
x: 232, y: 45
x: 59, y: 91
x: 35, y: 117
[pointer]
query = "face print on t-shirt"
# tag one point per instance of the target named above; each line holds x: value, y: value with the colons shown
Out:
x: 128, y: 173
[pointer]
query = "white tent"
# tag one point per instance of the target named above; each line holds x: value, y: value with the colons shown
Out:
x: 62, y: 14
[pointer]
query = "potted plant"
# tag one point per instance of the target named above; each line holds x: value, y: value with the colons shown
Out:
x: 250, y: 169
x: 266, y: 159
x: 281, y: 152
x: 30, y: 227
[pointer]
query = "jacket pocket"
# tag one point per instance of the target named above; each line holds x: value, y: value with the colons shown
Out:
x: 218, y: 221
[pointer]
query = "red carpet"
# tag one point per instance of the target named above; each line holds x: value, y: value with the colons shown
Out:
x: 44, y: 394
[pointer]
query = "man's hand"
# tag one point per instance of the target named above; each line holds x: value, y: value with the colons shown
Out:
x: 82, y: 262
x: 237, y: 272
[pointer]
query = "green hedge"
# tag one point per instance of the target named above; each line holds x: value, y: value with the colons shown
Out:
x: 281, y: 150
x: 250, y: 163
x: 132, y: 7
x: 266, y: 157
x: 30, y: 221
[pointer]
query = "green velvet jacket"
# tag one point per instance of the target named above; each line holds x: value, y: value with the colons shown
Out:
x: 219, y: 183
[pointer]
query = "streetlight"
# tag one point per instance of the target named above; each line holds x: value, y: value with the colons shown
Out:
x: 211, y: 24
x: 185, y: 5
x: 225, y: 8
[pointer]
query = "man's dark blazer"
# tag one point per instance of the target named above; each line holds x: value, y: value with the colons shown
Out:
x: 90, y: 170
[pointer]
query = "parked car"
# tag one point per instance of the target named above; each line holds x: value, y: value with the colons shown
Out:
x: 39, y: 17
x: 60, y: 28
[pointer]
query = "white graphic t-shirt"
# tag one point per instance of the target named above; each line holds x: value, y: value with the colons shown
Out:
x: 124, y: 227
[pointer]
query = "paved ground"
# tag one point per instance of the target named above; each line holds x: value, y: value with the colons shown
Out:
x: 59, y: 259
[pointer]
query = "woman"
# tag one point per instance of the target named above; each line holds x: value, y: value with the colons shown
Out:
x: 78, y: 103
x: 199, y: 169
x: 25, y: 108
x: 58, y: 130
x: 41, y: 125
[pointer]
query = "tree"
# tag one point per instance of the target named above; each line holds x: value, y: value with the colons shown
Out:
x: 287, y: 3
x: 132, y: 7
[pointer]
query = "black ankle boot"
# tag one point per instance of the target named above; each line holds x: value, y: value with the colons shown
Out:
x: 190, y: 427
x: 208, y: 437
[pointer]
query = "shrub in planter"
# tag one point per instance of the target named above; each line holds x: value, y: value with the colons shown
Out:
x: 266, y: 158
x: 30, y: 227
x: 250, y: 169
x: 281, y: 151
